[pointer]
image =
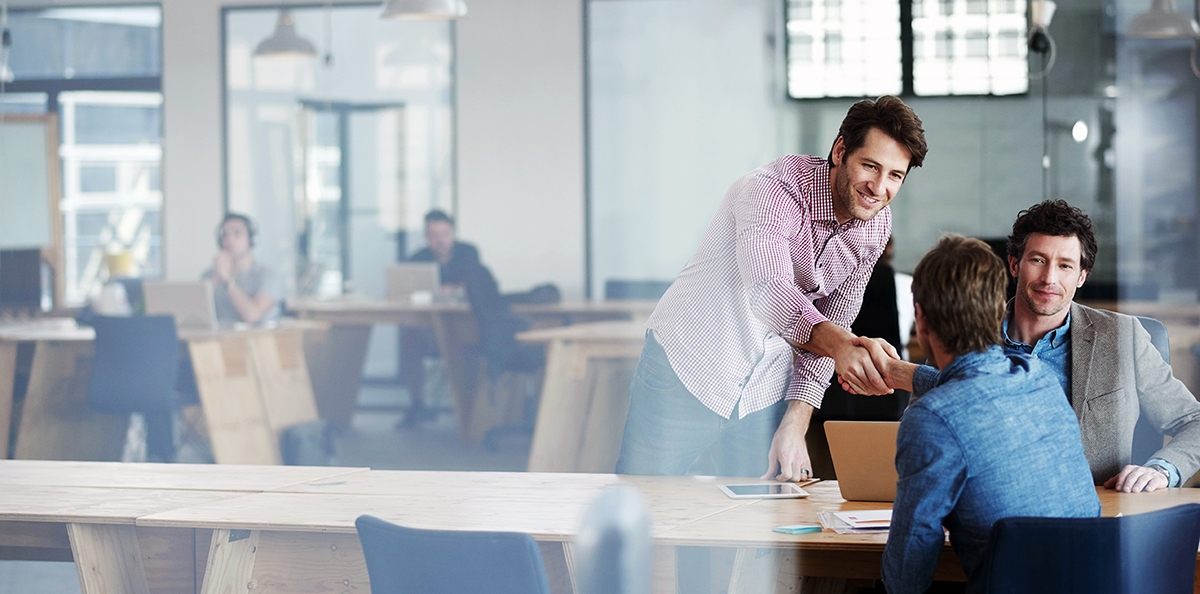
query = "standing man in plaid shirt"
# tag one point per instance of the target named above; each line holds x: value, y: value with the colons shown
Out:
x: 741, y: 348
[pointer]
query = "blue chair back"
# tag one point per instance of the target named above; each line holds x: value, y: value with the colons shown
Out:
x: 1150, y: 552
x: 135, y: 365
x: 407, y: 560
x: 1147, y: 439
x: 635, y: 289
x: 1158, y: 336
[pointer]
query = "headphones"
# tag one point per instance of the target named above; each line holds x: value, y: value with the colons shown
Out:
x: 251, y: 228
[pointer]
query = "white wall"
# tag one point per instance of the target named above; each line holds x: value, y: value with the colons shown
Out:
x: 520, y: 140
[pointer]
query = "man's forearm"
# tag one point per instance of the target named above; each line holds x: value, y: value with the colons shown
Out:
x: 827, y: 340
x: 247, y: 308
x: 797, y: 416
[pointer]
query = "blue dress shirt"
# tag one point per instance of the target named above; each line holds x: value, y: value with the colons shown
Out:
x: 994, y: 438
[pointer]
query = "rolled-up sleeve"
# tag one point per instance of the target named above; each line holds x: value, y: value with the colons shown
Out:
x: 810, y: 372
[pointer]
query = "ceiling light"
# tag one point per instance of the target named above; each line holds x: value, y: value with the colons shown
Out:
x: 1162, y: 21
x: 424, y: 9
x: 284, y: 42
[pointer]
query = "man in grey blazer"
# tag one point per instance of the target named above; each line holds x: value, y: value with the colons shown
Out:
x: 1109, y: 369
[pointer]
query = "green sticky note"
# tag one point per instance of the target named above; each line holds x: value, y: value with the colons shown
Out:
x: 797, y: 529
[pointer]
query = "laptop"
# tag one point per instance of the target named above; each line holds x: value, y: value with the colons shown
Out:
x: 190, y: 302
x: 864, y: 458
x: 406, y: 278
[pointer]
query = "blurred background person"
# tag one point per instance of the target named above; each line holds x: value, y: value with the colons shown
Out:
x: 243, y: 289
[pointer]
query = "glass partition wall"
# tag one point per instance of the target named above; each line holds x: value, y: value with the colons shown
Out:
x: 99, y: 69
x: 340, y: 143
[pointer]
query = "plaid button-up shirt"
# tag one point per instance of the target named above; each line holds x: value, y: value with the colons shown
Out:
x: 773, y: 264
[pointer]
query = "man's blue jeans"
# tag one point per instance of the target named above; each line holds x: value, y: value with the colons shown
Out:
x: 668, y: 428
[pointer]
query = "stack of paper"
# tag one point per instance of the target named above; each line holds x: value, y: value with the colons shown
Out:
x: 875, y: 519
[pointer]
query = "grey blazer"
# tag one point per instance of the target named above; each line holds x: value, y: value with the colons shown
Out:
x: 1117, y: 375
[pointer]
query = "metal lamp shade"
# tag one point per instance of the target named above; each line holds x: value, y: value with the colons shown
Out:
x: 284, y: 41
x: 424, y: 9
x: 1162, y: 21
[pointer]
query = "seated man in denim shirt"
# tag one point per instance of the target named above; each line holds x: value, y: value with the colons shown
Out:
x: 991, y: 440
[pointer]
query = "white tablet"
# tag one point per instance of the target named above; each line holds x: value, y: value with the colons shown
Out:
x: 764, y: 491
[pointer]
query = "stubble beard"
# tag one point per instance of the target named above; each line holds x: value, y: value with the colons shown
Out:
x: 1043, y: 310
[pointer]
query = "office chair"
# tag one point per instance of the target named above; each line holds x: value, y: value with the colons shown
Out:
x: 403, y: 559
x: 1150, y: 552
x: 635, y: 289
x: 613, y: 553
x: 134, y: 371
x: 1147, y: 439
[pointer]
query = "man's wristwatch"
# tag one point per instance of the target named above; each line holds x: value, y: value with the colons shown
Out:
x: 1166, y: 473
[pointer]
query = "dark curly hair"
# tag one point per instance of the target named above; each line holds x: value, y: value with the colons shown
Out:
x: 1055, y: 218
x: 893, y: 118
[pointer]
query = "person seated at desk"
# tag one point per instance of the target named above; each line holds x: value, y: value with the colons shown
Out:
x: 244, y: 291
x: 994, y: 438
x: 457, y: 262
x: 1110, y: 371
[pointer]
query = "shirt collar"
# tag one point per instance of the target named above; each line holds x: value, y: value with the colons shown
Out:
x: 822, y: 204
x: 1054, y: 337
x: 967, y: 361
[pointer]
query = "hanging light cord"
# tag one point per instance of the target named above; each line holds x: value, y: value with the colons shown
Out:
x: 329, y: 34
x: 1195, y: 51
x: 5, y: 43
x: 1045, y: 130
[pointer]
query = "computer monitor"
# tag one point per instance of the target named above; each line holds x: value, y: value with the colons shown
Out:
x: 864, y: 457
x: 406, y: 278
x: 190, y: 302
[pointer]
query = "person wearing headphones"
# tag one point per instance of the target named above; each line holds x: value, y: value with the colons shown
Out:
x: 244, y: 290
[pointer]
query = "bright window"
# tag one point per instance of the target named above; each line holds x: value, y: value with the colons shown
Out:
x: 854, y: 48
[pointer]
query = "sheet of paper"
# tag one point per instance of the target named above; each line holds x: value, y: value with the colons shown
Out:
x: 868, y: 519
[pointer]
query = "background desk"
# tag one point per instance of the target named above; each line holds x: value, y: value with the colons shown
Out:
x: 252, y: 385
x: 338, y: 378
x: 585, y: 396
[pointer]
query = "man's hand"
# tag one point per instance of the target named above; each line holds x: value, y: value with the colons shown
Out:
x: 788, y: 459
x: 223, y: 266
x: 896, y: 372
x: 853, y: 364
x: 1137, y: 479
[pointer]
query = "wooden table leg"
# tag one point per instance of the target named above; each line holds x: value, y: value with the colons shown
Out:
x: 8, y: 377
x: 562, y: 411
x: 336, y: 365
x: 107, y: 558
x: 56, y: 421
x: 231, y: 395
x: 252, y: 560
x: 230, y: 561
x: 456, y: 334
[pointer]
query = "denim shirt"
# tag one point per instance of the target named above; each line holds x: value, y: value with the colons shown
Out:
x: 1054, y: 349
x: 990, y: 440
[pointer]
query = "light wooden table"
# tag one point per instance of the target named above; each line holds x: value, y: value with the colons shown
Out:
x: 585, y: 396
x: 339, y: 376
x: 86, y: 512
x: 222, y: 534
x: 253, y: 384
x: 303, y: 535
